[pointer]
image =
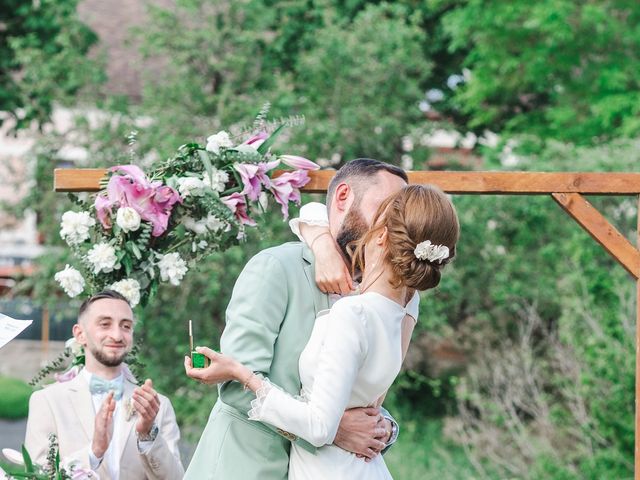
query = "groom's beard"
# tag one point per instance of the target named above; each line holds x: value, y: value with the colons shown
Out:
x: 106, y: 360
x: 352, y: 230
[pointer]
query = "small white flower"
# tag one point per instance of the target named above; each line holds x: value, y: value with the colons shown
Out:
x: 433, y: 253
x: 13, y: 456
x: 248, y: 149
x: 103, y: 258
x: 202, y: 245
x: 70, y: 280
x: 220, y: 139
x: 263, y: 200
x: 74, y: 228
x: 73, y: 345
x: 172, y: 268
x: 198, y: 227
x: 191, y: 186
x: 214, y: 223
x: 129, y: 289
x: 128, y: 219
x: 217, y: 181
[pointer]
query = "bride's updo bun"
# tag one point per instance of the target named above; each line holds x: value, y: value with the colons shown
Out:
x: 422, y: 232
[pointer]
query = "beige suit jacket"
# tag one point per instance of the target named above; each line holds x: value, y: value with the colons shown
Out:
x: 66, y: 409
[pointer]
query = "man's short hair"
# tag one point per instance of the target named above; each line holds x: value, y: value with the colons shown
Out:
x: 358, y: 170
x: 112, y: 294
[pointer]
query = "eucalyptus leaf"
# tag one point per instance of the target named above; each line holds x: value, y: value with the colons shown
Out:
x: 206, y: 161
x: 28, y: 463
x: 266, y: 145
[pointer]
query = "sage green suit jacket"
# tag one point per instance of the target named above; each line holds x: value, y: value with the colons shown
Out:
x: 268, y: 323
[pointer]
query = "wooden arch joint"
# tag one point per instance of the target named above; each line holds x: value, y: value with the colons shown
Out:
x: 596, y: 225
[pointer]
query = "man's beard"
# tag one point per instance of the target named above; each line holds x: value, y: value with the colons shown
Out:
x: 105, y: 360
x: 352, y: 230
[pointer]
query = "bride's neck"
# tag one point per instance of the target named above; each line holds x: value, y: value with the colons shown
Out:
x: 379, y: 281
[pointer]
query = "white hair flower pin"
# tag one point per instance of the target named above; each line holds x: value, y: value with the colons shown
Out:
x: 433, y: 253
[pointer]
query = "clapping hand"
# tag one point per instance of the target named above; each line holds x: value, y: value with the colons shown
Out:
x: 222, y: 368
x: 147, y: 404
x: 103, y: 427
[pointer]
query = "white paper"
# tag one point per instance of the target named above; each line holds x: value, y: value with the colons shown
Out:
x: 10, y: 328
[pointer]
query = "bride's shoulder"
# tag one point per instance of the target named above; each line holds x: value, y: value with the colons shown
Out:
x: 351, y: 306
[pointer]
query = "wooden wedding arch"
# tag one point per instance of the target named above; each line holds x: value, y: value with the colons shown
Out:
x: 567, y: 189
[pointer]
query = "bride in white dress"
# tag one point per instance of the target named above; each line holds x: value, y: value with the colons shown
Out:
x: 355, y: 351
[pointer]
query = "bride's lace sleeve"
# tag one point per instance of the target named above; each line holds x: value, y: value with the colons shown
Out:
x: 313, y: 213
x: 316, y: 417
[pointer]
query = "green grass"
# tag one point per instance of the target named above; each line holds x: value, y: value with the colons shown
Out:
x: 422, y: 453
x: 14, y: 398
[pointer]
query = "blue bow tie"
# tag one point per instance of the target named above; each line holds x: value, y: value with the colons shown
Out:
x: 99, y: 386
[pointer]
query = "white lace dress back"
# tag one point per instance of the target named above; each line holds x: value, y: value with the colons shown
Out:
x: 353, y: 356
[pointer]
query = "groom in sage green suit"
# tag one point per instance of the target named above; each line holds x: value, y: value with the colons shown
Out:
x: 268, y: 322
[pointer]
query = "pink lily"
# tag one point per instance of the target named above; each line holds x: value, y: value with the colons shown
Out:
x: 286, y: 188
x: 253, y: 176
x: 237, y: 204
x: 152, y: 200
x: 103, y: 210
x: 257, y: 139
x: 68, y: 375
x: 299, y: 163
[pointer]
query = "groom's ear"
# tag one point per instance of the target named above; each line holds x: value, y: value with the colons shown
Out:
x: 343, y: 197
x: 78, y: 333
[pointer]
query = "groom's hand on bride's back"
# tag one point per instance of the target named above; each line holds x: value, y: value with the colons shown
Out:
x: 361, y: 431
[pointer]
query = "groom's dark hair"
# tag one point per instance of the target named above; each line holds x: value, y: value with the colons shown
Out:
x: 357, y: 172
x: 112, y: 294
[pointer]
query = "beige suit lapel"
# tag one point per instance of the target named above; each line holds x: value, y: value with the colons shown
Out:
x: 80, y: 399
x: 320, y: 300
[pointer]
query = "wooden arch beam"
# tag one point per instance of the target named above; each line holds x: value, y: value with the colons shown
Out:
x: 497, y: 183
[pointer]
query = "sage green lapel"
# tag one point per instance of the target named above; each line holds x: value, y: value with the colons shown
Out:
x: 320, y: 300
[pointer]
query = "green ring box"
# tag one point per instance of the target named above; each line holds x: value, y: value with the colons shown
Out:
x: 198, y: 360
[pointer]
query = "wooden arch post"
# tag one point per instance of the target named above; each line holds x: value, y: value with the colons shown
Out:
x: 566, y: 188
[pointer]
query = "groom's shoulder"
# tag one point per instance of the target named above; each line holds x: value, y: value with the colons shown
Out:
x: 285, y: 252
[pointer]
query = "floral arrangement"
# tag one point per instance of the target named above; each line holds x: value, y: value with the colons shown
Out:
x: 21, y: 466
x: 144, y: 228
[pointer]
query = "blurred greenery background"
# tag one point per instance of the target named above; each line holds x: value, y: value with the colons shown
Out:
x: 522, y: 363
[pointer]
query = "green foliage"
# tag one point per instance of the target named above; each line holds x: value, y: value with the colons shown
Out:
x: 343, y: 78
x: 43, y: 58
x: 14, y: 401
x: 423, y: 453
x: 562, y: 69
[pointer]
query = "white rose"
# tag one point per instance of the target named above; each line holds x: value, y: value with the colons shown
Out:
x: 128, y: 219
x: 73, y: 345
x: 129, y: 289
x: 172, y: 268
x: 217, y: 180
x: 74, y: 228
x: 214, y: 223
x: 191, y: 186
x: 220, y: 139
x: 70, y: 280
x: 103, y: 258
x: 198, y: 227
